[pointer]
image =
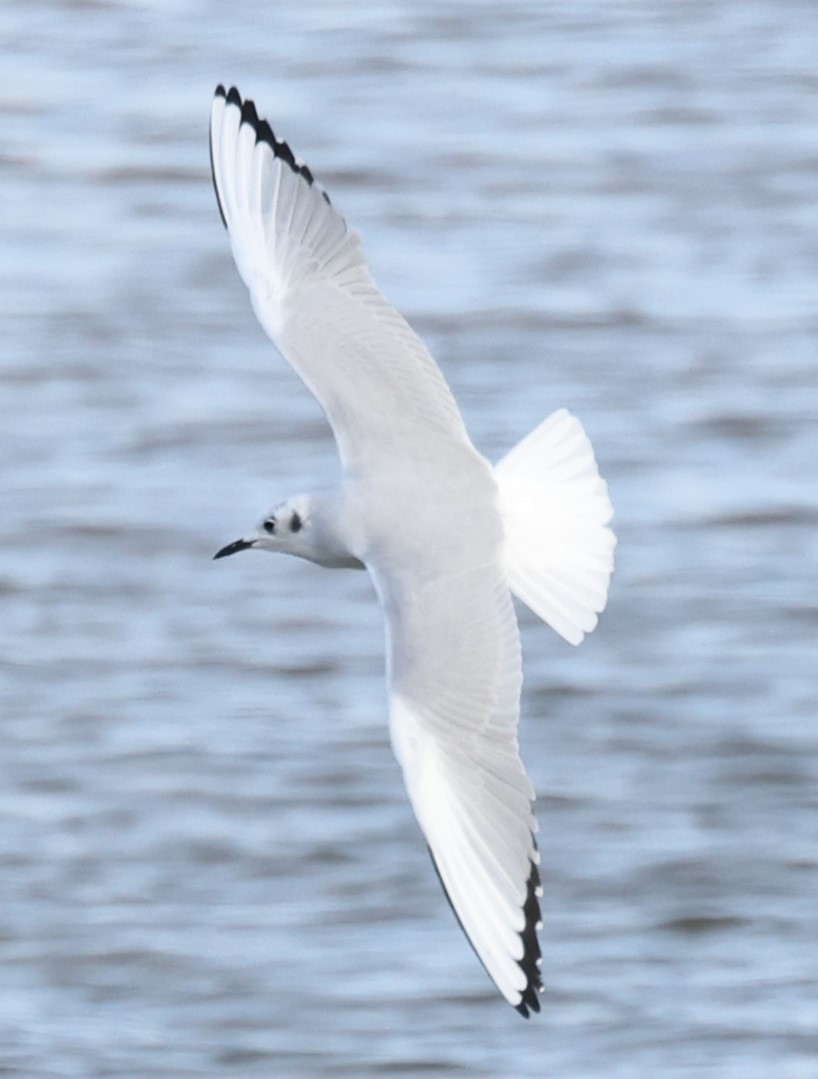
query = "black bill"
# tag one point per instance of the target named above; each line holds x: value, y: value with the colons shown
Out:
x: 233, y: 548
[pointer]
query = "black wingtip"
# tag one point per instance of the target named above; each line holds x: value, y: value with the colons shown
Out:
x: 264, y: 133
x: 249, y: 114
x: 532, y: 955
x: 530, y: 962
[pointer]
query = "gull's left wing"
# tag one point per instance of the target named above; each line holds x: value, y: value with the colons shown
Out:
x: 455, y: 673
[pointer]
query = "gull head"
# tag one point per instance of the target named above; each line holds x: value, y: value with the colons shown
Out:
x: 287, y: 528
x: 307, y: 526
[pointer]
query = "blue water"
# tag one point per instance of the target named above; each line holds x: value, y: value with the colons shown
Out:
x: 208, y: 866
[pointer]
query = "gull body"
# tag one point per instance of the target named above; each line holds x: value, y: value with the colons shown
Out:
x: 445, y: 536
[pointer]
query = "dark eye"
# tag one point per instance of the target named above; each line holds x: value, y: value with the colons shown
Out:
x: 295, y: 523
x: 270, y: 525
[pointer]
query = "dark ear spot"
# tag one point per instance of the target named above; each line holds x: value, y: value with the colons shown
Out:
x: 295, y: 523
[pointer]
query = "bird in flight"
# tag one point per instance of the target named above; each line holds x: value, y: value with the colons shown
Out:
x: 446, y: 537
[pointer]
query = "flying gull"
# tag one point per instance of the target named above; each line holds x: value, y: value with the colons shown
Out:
x: 446, y: 537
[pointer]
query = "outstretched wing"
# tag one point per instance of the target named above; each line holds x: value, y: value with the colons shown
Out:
x: 313, y: 294
x: 455, y: 670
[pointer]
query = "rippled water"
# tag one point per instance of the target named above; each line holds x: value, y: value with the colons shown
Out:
x: 207, y: 862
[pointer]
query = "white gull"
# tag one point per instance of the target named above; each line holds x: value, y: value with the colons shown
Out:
x: 446, y: 538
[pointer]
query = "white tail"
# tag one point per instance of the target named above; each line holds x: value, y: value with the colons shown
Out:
x: 555, y: 508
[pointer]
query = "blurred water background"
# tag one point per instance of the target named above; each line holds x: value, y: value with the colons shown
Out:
x: 208, y: 866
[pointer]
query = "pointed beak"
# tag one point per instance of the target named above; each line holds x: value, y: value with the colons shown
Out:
x: 233, y: 548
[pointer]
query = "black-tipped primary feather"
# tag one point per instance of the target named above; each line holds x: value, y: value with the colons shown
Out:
x: 530, y: 962
x: 532, y: 956
x: 264, y: 133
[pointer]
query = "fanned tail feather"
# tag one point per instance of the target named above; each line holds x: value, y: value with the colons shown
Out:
x: 556, y: 509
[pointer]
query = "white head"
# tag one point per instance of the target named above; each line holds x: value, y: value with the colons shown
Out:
x: 287, y: 528
x: 304, y: 526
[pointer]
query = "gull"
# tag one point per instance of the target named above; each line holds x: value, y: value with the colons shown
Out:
x: 446, y: 537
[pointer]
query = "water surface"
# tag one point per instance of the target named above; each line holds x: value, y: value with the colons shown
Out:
x: 207, y: 863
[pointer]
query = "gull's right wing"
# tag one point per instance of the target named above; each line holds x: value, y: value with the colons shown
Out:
x: 313, y: 294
